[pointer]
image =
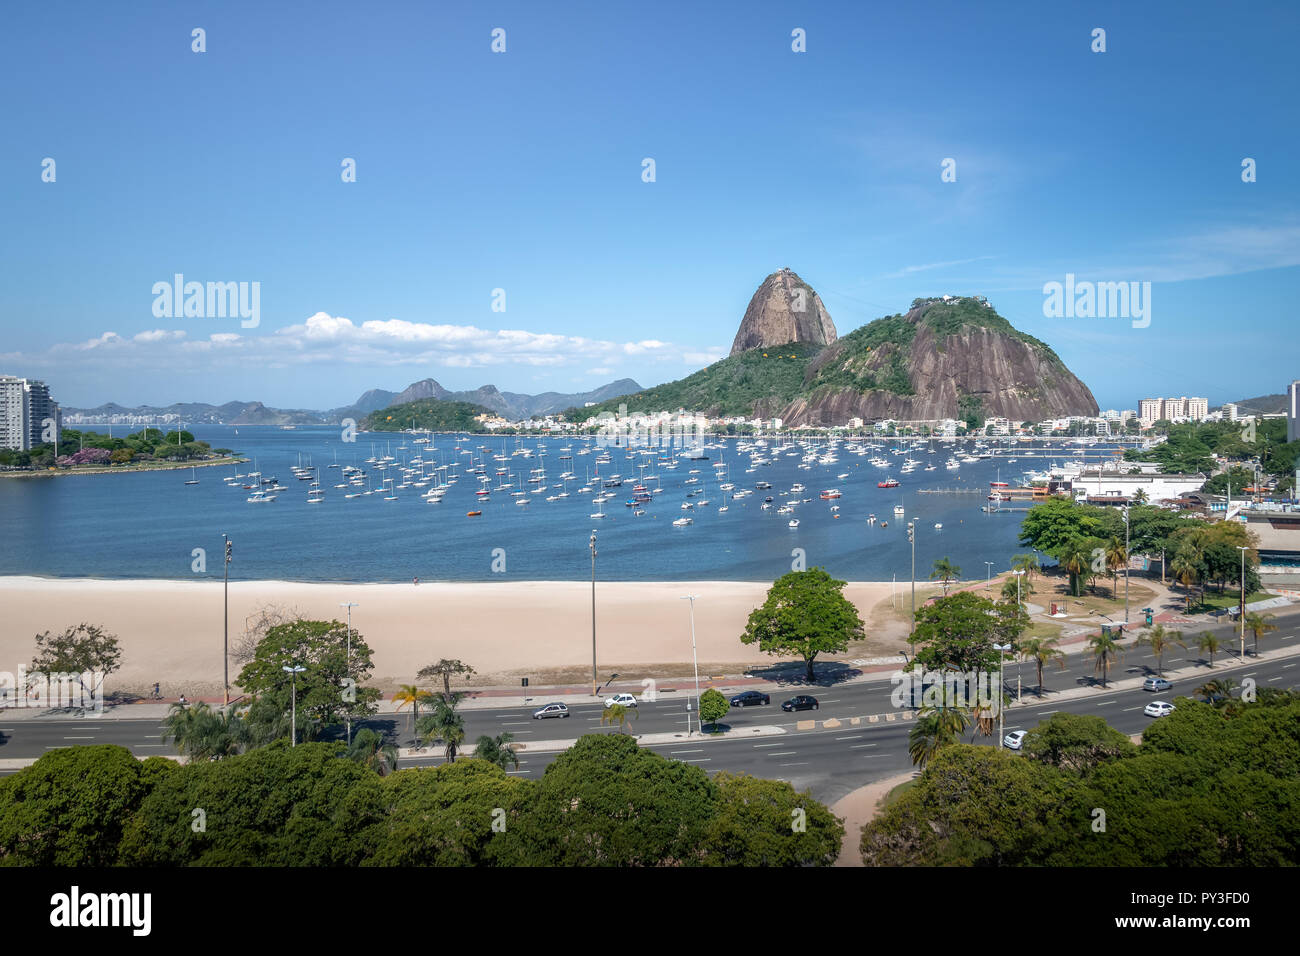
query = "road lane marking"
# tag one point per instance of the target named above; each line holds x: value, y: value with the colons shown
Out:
x: 783, y: 753
x: 1127, y: 709
x: 802, y: 764
x: 756, y: 746
x: 700, y: 751
x: 91, y: 737
x: 860, y: 746
x: 850, y: 737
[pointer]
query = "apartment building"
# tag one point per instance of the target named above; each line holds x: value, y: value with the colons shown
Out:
x: 28, y: 416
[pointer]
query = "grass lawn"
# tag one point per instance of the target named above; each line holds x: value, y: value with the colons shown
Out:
x: 893, y: 795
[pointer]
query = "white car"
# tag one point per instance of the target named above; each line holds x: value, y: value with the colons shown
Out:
x: 1014, y: 740
x: 626, y: 700
x: 552, y: 710
x: 1158, y: 708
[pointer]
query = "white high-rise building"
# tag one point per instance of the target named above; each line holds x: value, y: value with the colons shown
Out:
x: 28, y: 416
x: 1229, y: 411
x: 1198, y: 408
x: 1293, y: 411
x: 1149, y: 411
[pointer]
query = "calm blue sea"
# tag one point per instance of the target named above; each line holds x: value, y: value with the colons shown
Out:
x: 148, y: 525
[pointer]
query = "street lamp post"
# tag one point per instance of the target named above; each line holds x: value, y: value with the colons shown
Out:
x: 593, y: 612
x: 225, y: 620
x: 696, y: 661
x: 1001, y: 648
x: 1127, y: 564
x: 988, y: 574
x: 1241, y: 612
x: 293, y: 730
x: 349, y: 605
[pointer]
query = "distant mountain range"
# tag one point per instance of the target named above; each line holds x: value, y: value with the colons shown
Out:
x: 511, y: 405
x: 1263, y: 405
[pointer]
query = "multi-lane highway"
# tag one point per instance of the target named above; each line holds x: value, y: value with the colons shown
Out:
x: 828, y: 760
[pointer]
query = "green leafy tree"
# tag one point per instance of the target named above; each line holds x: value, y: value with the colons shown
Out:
x: 945, y: 571
x: 805, y: 614
x: 322, y: 688
x: 444, y: 670
x: 69, y: 808
x: 607, y: 802
x: 768, y: 823
x: 1217, y: 691
x: 1076, y: 742
x: 959, y: 632
x: 713, y: 707
x: 84, y: 649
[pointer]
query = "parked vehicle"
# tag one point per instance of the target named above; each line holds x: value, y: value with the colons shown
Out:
x: 750, y: 698
x: 1014, y: 740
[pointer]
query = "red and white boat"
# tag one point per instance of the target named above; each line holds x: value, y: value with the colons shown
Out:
x: 887, y: 483
x: 831, y: 493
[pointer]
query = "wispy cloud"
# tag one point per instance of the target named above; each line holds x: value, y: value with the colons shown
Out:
x: 929, y: 266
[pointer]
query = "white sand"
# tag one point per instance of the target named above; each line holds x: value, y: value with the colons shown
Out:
x: 501, y: 629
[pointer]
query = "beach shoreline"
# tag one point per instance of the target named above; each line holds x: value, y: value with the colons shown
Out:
x: 171, y: 631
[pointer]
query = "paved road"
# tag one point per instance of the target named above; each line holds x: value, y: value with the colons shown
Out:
x: 828, y: 761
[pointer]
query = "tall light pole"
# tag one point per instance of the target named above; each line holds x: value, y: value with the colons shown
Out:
x: 696, y: 661
x: 1002, y: 648
x: 593, y: 612
x: 911, y: 537
x: 1019, y: 574
x: 1127, y: 564
x: 349, y: 605
x: 988, y: 574
x: 293, y: 731
x: 225, y: 619
x: 1241, y: 613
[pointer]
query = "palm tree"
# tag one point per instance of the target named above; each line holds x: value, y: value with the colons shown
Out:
x: 410, y: 694
x: 1215, y: 691
x: 1258, y: 624
x: 444, y: 724
x: 1027, y: 563
x: 1042, y: 650
x: 933, y: 730
x: 202, y: 733
x: 1116, y: 558
x: 1184, y: 572
x: 1209, y: 642
x: 1077, y: 560
x: 617, y: 714
x: 497, y: 750
x: 1140, y: 496
x: 947, y: 571
x: 1160, y: 641
x: 1104, y: 650
x: 371, y: 749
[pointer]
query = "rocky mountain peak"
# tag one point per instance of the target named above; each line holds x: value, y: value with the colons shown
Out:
x: 785, y: 309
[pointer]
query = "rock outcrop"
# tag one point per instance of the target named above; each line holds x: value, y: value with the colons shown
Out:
x: 784, y: 309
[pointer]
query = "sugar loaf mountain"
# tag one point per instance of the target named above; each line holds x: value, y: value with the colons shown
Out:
x: 948, y: 357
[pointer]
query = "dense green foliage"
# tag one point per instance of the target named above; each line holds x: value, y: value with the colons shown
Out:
x: 726, y: 388
x: 604, y: 802
x: 1208, y: 786
x: 1189, y: 448
x: 427, y: 414
x: 91, y: 448
x: 959, y: 632
x: 1197, y: 551
x: 805, y: 614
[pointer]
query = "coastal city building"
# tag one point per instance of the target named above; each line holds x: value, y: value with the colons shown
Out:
x: 28, y: 416
x: 1293, y: 411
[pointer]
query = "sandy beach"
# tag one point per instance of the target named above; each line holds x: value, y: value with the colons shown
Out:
x: 171, y: 631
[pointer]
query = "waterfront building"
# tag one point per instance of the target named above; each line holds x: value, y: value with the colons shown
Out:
x: 28, y: 416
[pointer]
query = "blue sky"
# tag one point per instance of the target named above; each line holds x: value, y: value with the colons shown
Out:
x: 522, y: 171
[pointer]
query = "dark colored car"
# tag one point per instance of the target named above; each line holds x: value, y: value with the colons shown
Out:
x: 749, y: 698
x: 802, y: 702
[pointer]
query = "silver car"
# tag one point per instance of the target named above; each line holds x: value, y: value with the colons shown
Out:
x: 552, y: 710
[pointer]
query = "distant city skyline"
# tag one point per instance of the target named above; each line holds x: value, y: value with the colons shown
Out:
x: 499, y: 229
